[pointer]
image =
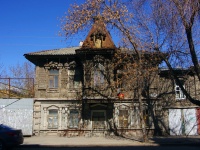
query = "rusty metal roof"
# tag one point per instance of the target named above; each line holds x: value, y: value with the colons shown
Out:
x: 61, y: 51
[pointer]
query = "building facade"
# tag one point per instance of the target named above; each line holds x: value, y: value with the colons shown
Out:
x: 77, y: 92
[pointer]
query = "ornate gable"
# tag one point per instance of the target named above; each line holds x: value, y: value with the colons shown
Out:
x: 98, y: 37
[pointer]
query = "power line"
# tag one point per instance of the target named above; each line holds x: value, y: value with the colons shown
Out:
x: 9, y: 104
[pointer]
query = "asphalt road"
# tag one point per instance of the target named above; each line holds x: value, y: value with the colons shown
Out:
x: 32, y: 147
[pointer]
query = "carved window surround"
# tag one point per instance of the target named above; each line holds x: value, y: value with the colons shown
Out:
x: 53, y: 65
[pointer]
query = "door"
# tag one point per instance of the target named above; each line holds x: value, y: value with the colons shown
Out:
x: 190, y: 121
x: 182, y: 122
x: 198, y: 120
x: 175, y: 122
x: 98, y: 119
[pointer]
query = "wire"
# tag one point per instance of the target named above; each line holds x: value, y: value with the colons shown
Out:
x: 9, y: 104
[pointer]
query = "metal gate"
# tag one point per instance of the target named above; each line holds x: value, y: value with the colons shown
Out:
x: 182, y: 122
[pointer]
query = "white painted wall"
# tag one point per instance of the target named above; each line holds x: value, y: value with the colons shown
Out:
x: 17, y: 114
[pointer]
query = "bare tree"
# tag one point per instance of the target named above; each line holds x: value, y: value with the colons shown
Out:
x: 145, y: 26
x: 178, y: 21
x: 21, y: 78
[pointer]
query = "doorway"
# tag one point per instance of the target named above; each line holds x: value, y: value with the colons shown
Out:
x: 98, y: 119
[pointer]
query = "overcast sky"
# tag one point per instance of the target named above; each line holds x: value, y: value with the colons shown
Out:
x: 30, y: 26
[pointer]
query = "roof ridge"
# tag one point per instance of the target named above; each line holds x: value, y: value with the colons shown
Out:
x: 58, y: 51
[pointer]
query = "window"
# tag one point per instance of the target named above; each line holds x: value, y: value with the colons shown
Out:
x: 53, y: 78
x: 74, y: 79
x: 179, y: 93
x: 98, y: 75
x: 135, y: 120
x: 53, y: 119
x: 123, y: 118
x: 147, y: 117
x: 73, y: 119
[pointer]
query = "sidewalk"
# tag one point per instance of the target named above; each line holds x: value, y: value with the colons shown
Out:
x: 107, y: 141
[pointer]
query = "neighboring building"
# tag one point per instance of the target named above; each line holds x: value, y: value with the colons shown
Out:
x: 182, y: 116
x: 76, y: 92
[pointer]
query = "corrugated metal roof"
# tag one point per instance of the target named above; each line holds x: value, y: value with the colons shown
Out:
x: 62, y: 51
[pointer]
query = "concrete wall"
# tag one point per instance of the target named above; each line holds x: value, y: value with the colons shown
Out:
x: 17, y: 113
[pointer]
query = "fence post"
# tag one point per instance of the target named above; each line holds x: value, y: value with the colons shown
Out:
x: 8, y: 87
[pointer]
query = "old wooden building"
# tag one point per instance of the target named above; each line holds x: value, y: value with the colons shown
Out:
x: 76, y: 92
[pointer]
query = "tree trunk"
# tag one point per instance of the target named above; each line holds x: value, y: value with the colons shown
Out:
x: 143, y: 124
x: 193, y: 52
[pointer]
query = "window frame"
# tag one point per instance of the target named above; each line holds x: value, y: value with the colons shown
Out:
x: 53, y: 116
x: 125, y: 118
x: 98, y: 75
x: 179, y: 95
x: 53, y: 79
x: 74, y: 123
x: 72, y: 75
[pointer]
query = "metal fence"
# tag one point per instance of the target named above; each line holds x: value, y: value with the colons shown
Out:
x: 16, y: 87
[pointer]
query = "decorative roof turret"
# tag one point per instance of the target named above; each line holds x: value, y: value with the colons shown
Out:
x: 98, y: 37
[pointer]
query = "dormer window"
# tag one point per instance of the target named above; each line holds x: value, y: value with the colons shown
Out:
x: 98, y: 38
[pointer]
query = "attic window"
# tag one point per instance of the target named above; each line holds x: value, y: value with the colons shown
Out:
x: 98, y: 38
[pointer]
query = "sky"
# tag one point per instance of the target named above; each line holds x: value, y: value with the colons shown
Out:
x: 30, y: 26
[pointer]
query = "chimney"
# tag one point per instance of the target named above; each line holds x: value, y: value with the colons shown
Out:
x: 80, y: 43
